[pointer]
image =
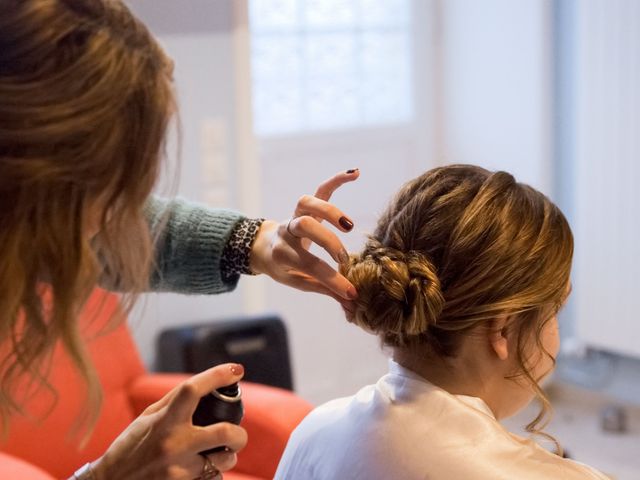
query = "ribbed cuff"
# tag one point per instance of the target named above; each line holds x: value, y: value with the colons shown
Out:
x: 190, y: 246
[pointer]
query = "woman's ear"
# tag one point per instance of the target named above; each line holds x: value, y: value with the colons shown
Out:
x: 498, y: 337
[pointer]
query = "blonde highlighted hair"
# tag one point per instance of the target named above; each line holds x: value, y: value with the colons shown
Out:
x: 85, y: 99
x: 457, y: 247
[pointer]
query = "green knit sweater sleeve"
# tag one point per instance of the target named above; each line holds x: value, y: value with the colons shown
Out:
x: 190, y: 240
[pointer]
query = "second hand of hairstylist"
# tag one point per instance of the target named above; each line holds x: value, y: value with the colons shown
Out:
x: 254, y: 246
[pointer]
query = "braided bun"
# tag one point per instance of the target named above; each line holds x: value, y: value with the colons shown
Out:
x: 399, y: 293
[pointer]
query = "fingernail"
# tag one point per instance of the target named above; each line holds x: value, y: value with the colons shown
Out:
x: 343, y: 257
x: 352, y: 293
x: 353, y: 170
x: 345, y: 223
x: 237, y: 369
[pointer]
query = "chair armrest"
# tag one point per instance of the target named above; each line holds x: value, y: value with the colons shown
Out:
x: 271, y: 414
x: 14, y: 467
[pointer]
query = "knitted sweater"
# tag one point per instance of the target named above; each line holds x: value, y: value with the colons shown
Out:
x: 190, y: 243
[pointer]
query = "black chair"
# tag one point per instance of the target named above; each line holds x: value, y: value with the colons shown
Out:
x: 259, y: 343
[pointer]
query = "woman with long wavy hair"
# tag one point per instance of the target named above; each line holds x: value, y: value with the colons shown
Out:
x: 86, y: 97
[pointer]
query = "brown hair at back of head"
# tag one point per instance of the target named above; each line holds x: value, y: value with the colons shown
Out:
x: 457, y: 247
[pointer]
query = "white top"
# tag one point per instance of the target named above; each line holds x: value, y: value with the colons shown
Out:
x: 406, y: 428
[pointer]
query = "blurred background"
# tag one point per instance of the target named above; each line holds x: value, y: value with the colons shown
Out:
x: 277, y: 95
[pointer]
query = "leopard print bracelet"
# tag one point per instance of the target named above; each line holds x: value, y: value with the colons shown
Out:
x: 237, y: 253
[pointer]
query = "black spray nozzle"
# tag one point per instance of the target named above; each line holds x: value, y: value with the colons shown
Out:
x: 231, y: 391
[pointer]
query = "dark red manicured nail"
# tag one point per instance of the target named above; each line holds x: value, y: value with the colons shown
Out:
x: 345, y: 223
x: 353, y: 170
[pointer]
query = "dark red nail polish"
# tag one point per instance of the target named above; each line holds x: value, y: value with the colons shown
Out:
x: 345, y: 223
x: 353, y: 170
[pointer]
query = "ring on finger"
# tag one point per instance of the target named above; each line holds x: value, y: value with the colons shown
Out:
x: 209, y: 470
x: 289, y: 228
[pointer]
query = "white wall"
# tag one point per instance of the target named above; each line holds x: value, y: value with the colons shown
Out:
x: 607, y: 170
x: 198, y: 35
x: 496, y: 86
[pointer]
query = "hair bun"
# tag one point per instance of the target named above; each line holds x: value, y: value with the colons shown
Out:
x: 399, y: 293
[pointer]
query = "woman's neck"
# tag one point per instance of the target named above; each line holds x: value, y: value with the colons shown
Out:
x: 473, y: 377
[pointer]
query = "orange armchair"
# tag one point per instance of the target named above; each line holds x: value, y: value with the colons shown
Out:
x: 39, y: 445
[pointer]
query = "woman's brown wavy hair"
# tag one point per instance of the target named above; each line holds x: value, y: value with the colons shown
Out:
x: 85, y: 100
x: 458, y: 247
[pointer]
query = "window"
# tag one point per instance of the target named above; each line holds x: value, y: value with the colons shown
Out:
x: 330, y: 64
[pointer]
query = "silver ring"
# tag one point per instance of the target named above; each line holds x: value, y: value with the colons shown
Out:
x: 289, y: 229
x: 209, y: 470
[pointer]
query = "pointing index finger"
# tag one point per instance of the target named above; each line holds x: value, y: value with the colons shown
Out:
x: 326, y: 189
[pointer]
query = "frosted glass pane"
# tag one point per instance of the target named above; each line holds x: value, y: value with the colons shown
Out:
x: 273, y: 14
x: 386, y: 77
x: 278, y: 107
x: 331, y: 80
x: 385, y: 52
x: 331, y: 64
x: 386, y: 99
x: 276, y: 56
x: 330, y: 13
x: 330, y: 54
x: 332, y: 102
x: 277, y: 81
x: 385, y: 13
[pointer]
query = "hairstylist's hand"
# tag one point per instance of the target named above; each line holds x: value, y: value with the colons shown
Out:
x: 281, y: 250
x: 162, y: 443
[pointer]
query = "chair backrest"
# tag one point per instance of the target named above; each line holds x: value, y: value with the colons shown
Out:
x: 257, y: 342
x: 48, y: 442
